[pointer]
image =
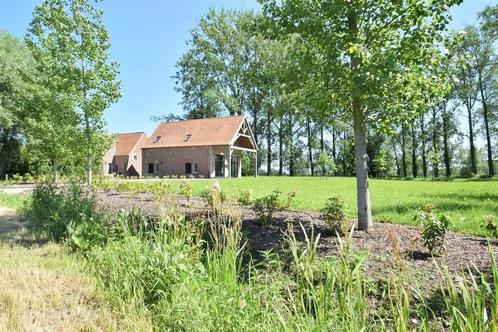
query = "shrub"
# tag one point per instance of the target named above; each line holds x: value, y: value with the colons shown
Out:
x: 266, y: 206
x: 186, y: 190
x: 434, y: 229
x: 334, y: 214
x: 490, y: 225
x: 244, y: 197
x: 51, y: 211
x: 289, y: 199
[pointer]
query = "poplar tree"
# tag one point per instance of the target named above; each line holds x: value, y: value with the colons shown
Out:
x: 380, y: 53
x: 71, y: 45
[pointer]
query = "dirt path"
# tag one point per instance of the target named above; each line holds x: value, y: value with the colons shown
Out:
x: 42, y: 288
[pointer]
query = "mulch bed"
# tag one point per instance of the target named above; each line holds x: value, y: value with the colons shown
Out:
x: 463, y: 253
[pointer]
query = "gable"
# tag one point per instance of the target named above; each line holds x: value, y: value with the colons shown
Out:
x: 126, y: 142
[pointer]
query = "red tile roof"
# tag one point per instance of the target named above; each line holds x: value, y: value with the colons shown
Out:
x: 208, y: 131
x: 126, y: 142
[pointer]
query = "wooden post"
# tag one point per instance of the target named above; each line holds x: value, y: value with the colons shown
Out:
x: 210, y: 156
x: 255, y: 164
x: 229, y: 162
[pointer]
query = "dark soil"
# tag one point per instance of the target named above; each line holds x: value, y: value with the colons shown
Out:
x: 463, y: 253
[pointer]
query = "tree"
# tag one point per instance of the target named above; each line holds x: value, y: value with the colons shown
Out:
x: 16, y: 62
x: 380, y: 163
x: 71, y: 45
x: 325, y: 164
x: 486, y: 64
x: 377, y: 54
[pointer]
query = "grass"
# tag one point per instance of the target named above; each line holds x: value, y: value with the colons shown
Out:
x: 11, y: 201
x: 465, y: 201
x: 44, y: 287
x: 173, y: 274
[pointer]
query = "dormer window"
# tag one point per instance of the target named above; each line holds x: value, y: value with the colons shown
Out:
x: 187, y: 137
x: 156, y: 139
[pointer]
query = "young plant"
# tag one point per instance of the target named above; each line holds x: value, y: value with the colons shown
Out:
x: 289, y: 199
x: 266, y: 206
x: 334, y: 214
x: 244, y: 197
x: 489, y: 223
x: 186, y: 190
x: 434, y: 229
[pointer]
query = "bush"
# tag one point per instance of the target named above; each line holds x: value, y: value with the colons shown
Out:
x: 244, y: 197
x: 490, y: 226
x: 266, y: 206
x: 434, y: 229
x: 334, y: 214
x: 51, y: 212
x: 186, y: 190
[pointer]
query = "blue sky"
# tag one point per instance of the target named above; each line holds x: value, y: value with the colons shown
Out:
x: 148, y: 37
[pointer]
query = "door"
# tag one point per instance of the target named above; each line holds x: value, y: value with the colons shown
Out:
x: 219, y: 165
x: 151, y: 168
x: 188, y: 168
x: 235, y: 167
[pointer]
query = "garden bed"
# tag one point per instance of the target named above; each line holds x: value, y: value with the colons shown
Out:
x: 463, y: 253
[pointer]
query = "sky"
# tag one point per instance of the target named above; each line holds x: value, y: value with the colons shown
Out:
x: 148, y: 37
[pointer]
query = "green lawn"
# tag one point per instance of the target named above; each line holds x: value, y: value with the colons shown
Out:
x: 464, y: 201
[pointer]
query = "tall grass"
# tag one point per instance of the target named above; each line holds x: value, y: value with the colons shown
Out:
x: 189, y: 275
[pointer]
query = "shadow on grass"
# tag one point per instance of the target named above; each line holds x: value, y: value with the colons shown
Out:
x: 13, y: 231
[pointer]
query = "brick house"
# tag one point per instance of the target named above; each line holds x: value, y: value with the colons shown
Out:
x: 125, y: 155
x: 208, y: 147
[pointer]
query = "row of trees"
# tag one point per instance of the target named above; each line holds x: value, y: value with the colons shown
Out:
x: 233, y: 68
x: 54, y: 88
x: 372, y: 86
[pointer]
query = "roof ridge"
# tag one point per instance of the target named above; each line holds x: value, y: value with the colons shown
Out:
x: 132, y: 132
x: 204, y: 119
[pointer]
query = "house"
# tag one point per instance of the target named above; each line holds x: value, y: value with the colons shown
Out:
x: 125, y: 156
x: 208, y: 148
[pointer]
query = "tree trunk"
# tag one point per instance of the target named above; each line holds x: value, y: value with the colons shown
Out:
x: 403, y: 150
x: 281, y: 149
x: 334, y: 145
x: 322, y: 141
x: 89, y: 172
x: 414, y: 152
x: 435, y: 150
x: 398, y: 169
x: 360, y: 132
x: 55, y: 172
x: 344, y: 146
x: 310, y: 147
x: 473, y: 162
x: 290, y: 148
x: 268, y: 144
x: 424, y: 151
x: 361, y: 159
x: 485, y: 113
x: 446, y: 152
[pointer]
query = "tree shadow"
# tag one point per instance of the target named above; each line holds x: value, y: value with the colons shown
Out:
x: 13, y: 231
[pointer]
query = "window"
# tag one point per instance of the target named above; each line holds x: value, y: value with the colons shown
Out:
x: 195, y: 168
x: 156, y: 139
x: 135, y: 157
x: 187, y: 137
x: 151, y: 168
x: 157, y: 167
